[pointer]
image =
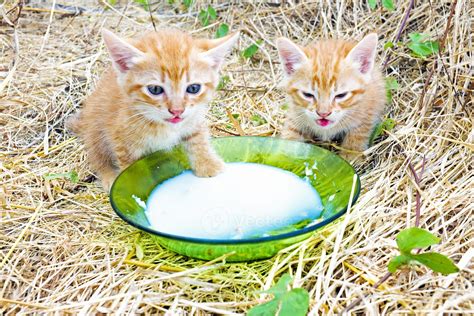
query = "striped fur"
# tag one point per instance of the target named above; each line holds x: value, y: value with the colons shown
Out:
x: 328, y: 69
x: 122, y: 120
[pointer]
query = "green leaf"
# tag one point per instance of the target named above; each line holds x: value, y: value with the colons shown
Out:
x: 280, y: 287
x: 372, y: 4
x: 294, y: 303
x: 387, y: 125
x: 388, y: 4
x: 388, y: 45
x: 391, y: 83
x: 207, y: 16
x: 285, y: 106
x: 139, y: 251
x: 223, y: 82
x: 411, y: 238
x: 258, y: 120
x: 422, y: 47
x: 397, y: 262
x: 112, y: 2
x: 71, y: 176
x: 266, y: 309
x: 252, y: 49
x: 203, y: 17
x: 285, y: 302
x: 187, y: 3
x: 212, y: 13
x: 436, y: 262
x: 143, y: 3
x: 222, y: 30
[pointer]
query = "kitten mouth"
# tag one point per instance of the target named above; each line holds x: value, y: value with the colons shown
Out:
x: 174, y: 120
x: 323, y: 122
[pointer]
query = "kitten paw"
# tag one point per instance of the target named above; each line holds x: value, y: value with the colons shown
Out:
x: 209, y: 168
x: 107, y: 182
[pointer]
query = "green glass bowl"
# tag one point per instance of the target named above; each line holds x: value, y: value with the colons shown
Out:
x: 332, y: 177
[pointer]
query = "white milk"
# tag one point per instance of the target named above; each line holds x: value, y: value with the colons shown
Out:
x: 246, y: 200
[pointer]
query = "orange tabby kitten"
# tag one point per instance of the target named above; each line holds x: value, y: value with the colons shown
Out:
x: 155, y: 97
x: 335, y: 89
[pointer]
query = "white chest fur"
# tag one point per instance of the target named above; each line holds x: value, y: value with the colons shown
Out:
x: 164, y: 138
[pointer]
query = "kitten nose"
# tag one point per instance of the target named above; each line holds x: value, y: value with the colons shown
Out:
x: 323, y: 115
x: 176, y: 112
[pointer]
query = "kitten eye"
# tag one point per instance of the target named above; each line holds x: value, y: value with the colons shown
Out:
x: 193, y: 88
x: 308, y: 95
x: 155, y: 90
x: 341, y: 95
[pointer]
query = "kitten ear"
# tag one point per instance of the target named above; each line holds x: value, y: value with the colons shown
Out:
x: 363, y: 54
x: 123, y: 54
x: 220, y: 48
x: 291, y: 55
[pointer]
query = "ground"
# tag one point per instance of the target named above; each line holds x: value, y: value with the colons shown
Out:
x: 64, y: 250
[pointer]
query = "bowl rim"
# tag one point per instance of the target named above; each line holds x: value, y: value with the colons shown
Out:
x: 295, y: 233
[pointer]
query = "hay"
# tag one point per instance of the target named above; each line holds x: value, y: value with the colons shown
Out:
x: 64, y: 250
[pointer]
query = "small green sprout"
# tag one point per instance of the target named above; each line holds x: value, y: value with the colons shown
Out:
x: 258, y: 120
x: 391, y: 84
x: 386, y: 125
x: 413, y: 238
x: 285, y: 302
x: 387, y: 4
x: 388, y: 45
x: 223, y: 82
x: 71, y: 176
x: 144, y: 4
x: 187, y: 3
x: 208, y: 15
x: 252, y: 49
x: 222, y: 30
x: 421, y: 46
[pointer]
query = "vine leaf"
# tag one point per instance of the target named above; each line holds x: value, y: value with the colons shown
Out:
x: 414, y: 237
x: 285, y: 302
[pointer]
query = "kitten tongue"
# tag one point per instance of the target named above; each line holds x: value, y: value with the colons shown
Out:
x: 323, y: 122
x: 175, y: 119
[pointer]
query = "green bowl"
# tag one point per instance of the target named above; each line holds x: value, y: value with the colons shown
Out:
x: 333, y: 179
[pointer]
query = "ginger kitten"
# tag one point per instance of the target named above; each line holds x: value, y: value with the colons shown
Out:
x: 335, y: 90
x: 153, y: 97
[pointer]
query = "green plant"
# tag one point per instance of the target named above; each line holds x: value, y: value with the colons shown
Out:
x: 187, y: 3
x: 223, y: 82
x: 258, y: 120
x: 387, y: 4
x: 412, y: 238
x: 251, y: 50
x: 391, y: 84
x: 207, y: 15
x: 285, y: 302
x: 143, y: 3
x: 421, y: 46
x: 71, y: 176
x: 222, y: 30
x: 386, y: 125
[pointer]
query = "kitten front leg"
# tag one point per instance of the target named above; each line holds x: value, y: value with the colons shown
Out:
x: 124, y: 157
x: 356, y: 141
x: 204, y: 161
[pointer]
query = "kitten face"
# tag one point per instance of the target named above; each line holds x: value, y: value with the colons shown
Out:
x: 169, y: 76
x: 326, y: 80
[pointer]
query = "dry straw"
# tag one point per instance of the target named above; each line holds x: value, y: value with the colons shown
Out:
x: 63, y: 250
